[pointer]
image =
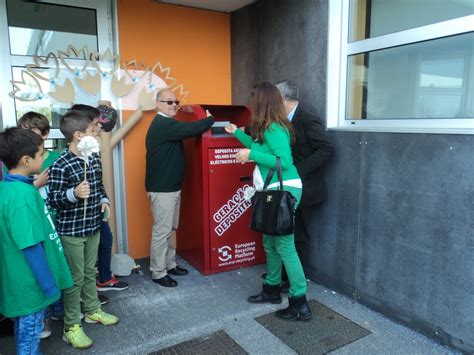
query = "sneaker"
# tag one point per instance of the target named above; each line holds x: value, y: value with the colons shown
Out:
x: 103, y: 299
x: 111, y: 285
x: 101, y: 317
x: 46, y: 332
x: 76, y: 337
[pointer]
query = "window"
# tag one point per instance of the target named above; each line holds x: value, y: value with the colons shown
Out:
x: 37, y: 28
x: 29, y: 31
x: 401, y: 66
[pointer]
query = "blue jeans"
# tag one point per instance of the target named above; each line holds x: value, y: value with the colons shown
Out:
x: 56, y: 309
x: 27, y: 333
x: 105, y: 252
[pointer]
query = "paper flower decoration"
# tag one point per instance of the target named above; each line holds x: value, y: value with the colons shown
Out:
x: 87, y: 146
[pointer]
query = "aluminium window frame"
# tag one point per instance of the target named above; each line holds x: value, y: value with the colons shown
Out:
x: 339, y: 50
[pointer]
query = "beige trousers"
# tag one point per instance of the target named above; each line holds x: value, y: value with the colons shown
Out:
x: 165, y: 210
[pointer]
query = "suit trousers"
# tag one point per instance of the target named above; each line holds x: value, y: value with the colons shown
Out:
x: 302, y: 240
x: 165, y: 210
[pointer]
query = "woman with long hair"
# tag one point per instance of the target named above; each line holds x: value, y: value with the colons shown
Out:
x: 271, y: 135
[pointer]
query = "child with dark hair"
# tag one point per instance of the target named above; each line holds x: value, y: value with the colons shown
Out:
x: 73, y: 179
x: 39, y: 124
x: 33, y: 268
x: 106, y: 281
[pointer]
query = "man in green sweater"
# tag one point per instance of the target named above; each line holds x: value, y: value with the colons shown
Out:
x: 164, y: 176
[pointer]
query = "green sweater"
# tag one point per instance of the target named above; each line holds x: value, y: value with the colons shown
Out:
x: 276, y: 143
x: 164, y: 151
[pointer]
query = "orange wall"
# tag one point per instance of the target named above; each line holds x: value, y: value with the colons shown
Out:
x: 195, y: 44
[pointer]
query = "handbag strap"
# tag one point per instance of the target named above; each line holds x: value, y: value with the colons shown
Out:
x: 271, y: 172
x: 280, y: 178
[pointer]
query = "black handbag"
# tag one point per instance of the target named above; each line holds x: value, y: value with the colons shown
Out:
x: 273, y: 210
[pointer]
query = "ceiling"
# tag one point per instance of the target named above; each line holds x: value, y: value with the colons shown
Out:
x: 216, y: 5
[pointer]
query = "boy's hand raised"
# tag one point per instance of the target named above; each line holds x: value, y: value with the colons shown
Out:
x: 82, y: 190
x: 41, y: 179
x: 105, y: 211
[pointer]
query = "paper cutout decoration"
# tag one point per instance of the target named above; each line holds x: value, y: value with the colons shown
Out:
x: 65, y: 93
x: 136, y: 83
x: 38, y: 66
x: 26, y: 89
x: 76, y: 54
x: 119, y: 87
x: 91, y: 84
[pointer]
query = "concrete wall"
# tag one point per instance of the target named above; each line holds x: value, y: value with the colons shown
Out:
x: 397, y: 232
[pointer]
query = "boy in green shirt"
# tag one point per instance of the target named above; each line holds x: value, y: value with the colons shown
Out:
x: 39, y: 124
x: 33, y: 268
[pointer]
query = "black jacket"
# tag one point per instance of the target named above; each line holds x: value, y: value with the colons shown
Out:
x: 310, y: 151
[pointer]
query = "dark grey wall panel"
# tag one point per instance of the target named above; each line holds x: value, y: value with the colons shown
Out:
x: 334, y: 224
x: 416, y: 251
x: 245, y: 59
x: 291, y: 47
x: 397, y: 231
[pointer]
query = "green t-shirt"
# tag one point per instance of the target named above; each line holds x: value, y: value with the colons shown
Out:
x: 24, y: 222
x: 50, y: 158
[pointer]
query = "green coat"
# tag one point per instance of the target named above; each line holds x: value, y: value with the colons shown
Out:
x: 276, y: 143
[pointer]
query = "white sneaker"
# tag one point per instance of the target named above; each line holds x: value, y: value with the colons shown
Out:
x: 46, y: 332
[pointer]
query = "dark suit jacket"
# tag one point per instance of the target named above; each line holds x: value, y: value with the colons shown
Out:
x: 310, y: 151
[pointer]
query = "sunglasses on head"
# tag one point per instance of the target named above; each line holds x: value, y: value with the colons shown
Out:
x: 170, y: 102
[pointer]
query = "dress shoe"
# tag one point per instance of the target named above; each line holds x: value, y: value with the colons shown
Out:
x: 178, y: 271
x: 165, y: 281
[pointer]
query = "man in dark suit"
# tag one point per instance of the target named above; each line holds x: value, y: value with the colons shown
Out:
x: 310, y: 151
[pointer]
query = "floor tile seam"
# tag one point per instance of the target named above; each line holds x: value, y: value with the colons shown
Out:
x: 269, y: 336
x: 200, y: 330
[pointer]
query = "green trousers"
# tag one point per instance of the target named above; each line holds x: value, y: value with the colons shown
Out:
x: 282, y: 249
x: 81, y: 255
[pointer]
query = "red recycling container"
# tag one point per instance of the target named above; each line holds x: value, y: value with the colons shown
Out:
x: 213, y: 233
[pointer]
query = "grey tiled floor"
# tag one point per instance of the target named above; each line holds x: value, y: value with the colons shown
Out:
x: 154, y: 318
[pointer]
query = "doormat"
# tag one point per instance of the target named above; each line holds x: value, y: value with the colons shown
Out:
x: 216, y: 343
x: 326, y: 331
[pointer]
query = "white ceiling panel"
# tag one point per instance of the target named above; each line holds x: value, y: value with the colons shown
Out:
x: 216, y: 5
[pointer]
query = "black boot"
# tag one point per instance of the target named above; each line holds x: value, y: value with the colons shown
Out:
x: 269, y: 294
x: 298, y: 309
